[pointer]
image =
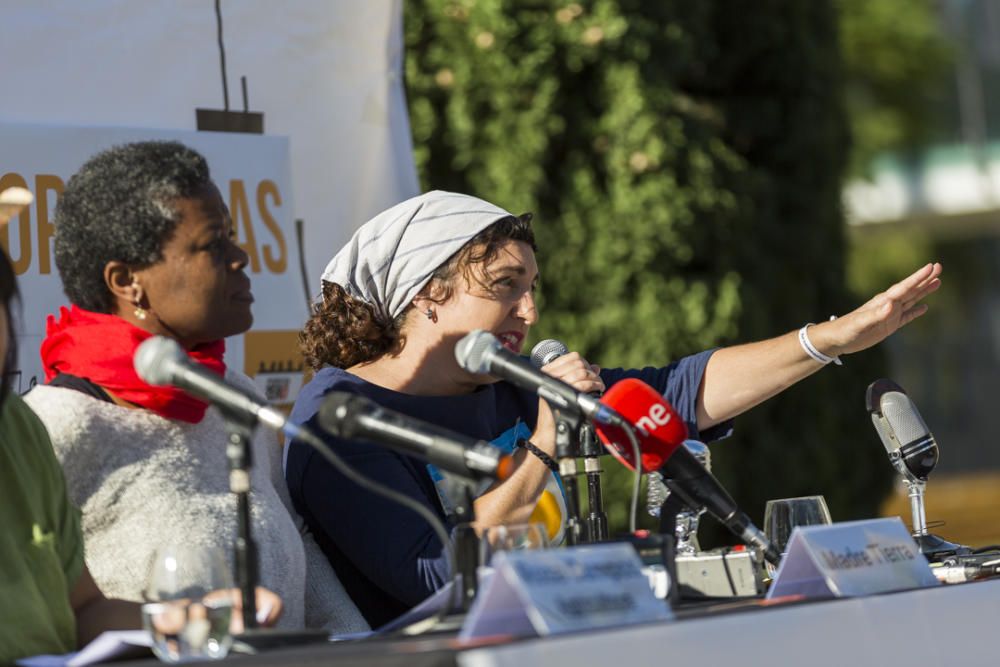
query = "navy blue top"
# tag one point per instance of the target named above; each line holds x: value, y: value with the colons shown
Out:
x: 388, y: 558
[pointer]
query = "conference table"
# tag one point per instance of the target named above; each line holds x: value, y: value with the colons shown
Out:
x: 941, y: 626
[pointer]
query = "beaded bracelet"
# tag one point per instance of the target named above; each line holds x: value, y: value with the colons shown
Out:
x: 549, y: 462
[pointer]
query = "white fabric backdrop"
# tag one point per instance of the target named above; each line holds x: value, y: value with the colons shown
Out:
x: 326, y: 74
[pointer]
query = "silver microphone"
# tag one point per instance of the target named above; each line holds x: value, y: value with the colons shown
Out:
x: 906, y: 438
x: 161, y: 361
x: 481, y: 353
x: 547, y: 351
x: 913, y: 452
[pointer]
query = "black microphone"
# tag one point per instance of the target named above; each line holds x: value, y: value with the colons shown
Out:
x: 906, y: 438
x: 351, y: 416
x: 161, y: 361
x: 481, y: 353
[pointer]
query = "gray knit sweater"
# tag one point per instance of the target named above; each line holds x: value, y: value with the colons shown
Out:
x: 143, y: 481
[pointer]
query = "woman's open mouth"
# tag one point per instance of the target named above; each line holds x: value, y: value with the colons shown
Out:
x: 512, y: 340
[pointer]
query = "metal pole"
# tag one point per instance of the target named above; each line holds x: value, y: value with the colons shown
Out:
x: 244, y: 548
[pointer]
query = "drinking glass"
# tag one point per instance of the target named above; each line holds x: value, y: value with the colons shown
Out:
x: 511, y: 537
x: 783, y: 515
x: 189, y: 602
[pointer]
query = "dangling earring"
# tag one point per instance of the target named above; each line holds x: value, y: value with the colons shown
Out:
x: 431, y: 315
x: 139, y: 312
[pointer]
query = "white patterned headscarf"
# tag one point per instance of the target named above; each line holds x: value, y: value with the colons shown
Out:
x: 393, y: 255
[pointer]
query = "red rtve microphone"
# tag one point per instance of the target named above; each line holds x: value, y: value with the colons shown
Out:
x: 661, y: 432
x: 659, y: 428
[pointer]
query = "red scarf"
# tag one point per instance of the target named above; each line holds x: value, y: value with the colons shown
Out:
x: 100, y: 347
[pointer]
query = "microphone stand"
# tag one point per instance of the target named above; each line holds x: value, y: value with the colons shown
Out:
x: 915, y: 490
x: 932, y: 546
x: 466, y: 549
x: 567, y: 429
x: 465, y: 566
x: 253, y: 638
x: 688, y: 517
x: 671, y: 507
x: 240, y: 428
x: 590, y: 448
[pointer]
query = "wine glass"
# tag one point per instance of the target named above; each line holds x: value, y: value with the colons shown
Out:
x: 189, y: 602
x: 781, y: 516
x: 511, y: 537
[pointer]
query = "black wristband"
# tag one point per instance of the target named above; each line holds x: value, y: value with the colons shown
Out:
x: 549, y: 462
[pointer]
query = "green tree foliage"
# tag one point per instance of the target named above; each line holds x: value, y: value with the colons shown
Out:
x: 684, y: 161
x: 896, y: 58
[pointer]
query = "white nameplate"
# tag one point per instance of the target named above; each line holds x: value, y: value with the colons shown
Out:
x: 552, y: 591
x: 851, y: 559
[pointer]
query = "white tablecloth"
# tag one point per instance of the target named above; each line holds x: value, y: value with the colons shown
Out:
x: 945, y: 626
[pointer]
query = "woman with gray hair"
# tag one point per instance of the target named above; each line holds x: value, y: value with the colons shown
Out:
x: 395, y: 300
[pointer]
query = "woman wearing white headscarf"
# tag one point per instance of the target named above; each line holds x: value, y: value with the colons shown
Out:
x: 395, y: 300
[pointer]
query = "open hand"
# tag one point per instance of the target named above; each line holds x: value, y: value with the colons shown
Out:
x: 881, y: 316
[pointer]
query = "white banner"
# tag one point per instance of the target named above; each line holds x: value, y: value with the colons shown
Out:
x: 253, y: 175
x: 326, y: 76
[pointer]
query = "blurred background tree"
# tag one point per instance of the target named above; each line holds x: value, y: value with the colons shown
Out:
x: 896, y: 62
x: 685, y: 162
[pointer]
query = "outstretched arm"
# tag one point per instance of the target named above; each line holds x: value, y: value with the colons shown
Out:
x: 738, y: 378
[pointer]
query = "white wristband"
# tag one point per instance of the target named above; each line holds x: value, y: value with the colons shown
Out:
x: 811, y: 350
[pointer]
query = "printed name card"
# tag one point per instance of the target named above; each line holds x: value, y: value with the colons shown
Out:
x: 553, y: 591
x: 851, y: 559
